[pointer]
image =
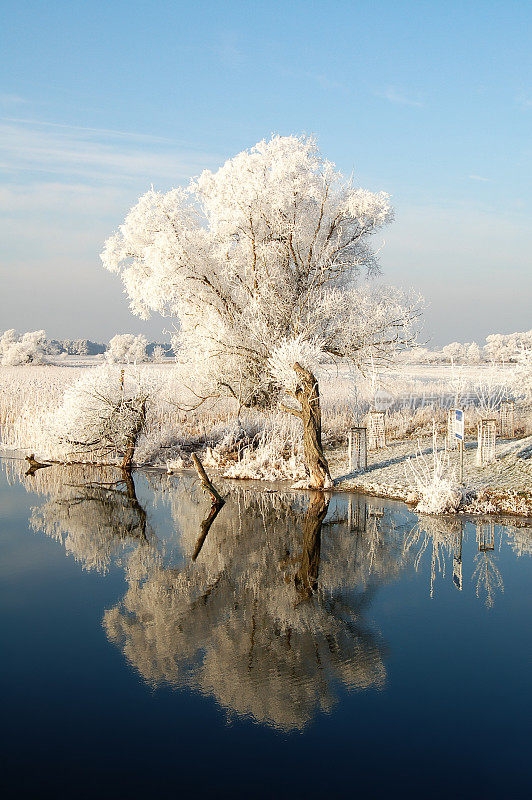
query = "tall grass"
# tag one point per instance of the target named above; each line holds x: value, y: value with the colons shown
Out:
x: 28, y: 394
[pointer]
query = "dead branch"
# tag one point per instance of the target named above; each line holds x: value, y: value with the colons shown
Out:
x: 206, y: 482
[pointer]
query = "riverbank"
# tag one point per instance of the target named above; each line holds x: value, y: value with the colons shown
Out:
x: 502, y: 487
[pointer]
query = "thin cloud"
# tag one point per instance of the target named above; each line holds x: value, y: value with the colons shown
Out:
x: 95, y: 156
x: 478, y: 178
x: 95, y: 131
x: 393, y: 95
x: 324, y: 81
x: 12, y: 99
x: 228, y: 52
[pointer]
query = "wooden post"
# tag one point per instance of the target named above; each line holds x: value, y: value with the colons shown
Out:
x: 452, y: 441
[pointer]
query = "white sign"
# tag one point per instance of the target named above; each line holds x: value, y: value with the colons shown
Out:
x: 459, y: 424
x: 383, y: 400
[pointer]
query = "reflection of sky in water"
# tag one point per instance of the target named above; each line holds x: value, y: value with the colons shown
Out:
x: 293, y: 602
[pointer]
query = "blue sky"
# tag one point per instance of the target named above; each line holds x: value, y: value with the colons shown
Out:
x: 430, y: 101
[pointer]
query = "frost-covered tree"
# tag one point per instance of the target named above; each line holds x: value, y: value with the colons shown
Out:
x: 30, y: 348
x: 474, y: 354
x: 158, y: 356
x: 522, y: 379
x: 507, y: 347
x: 260, y: 263
x: 126, y: 348
x: 102, y: 415
x: 454, y: 351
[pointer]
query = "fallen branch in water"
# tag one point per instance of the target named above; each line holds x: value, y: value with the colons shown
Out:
x: 217, y: 503
x: 206, y: 482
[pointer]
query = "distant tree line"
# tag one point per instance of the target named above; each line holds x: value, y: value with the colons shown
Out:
x: 86, y: 347
x: 500, y: 348
x: 33, y: 347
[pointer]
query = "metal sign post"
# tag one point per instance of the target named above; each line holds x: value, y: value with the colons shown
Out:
x: 459, y: 433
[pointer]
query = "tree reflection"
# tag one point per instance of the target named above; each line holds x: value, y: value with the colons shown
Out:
x: 250, y: 622
x: 95, y: 515
x: 262, y: 604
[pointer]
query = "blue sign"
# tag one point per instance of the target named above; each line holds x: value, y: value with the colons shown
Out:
x: 459, y: 424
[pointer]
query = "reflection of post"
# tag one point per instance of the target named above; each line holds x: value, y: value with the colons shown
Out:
x: 357, y: 514
x: 306, y: 579
x: 486, y: 536
x: 361, y: 516
x: 206, y: 526
x: 457, y: 563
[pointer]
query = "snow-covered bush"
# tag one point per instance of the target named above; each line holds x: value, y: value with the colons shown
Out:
x: 30, y: 348
x: 274, y: 453
x: 102, y: 415
x: 126, y: 348
x: 434, y: 481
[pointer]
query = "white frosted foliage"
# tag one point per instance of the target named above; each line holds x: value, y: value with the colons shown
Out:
x: 267, y: 250
x: 29, y: 348
x: 100, y: 413
x: 126, y: 348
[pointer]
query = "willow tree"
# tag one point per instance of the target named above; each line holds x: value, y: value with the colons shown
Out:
x: 259, y: 263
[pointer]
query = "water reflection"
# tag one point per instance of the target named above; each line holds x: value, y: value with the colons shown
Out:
x: 93, y: 517
x: 264, y: 606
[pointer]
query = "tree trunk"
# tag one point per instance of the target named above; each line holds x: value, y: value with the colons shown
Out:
x: 306, y: 579
x: 129, y: 451
x: 308, y: 395
x: 138, y: 530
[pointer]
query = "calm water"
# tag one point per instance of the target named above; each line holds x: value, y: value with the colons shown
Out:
x: 298, y: 649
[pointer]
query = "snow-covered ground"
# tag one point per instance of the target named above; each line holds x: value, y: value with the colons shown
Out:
x: 506, y: 482
x: 268, y: 446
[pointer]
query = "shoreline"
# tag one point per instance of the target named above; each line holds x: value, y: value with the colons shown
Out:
x: 478, y: 501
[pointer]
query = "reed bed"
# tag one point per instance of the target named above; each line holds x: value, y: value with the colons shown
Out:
x: 30, y: 394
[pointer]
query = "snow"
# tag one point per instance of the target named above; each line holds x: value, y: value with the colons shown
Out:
x: 267, y: 446
x: 506, y: 482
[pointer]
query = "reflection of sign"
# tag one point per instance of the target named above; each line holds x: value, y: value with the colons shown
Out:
x: 459, y: 424
x: 457, y: 573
